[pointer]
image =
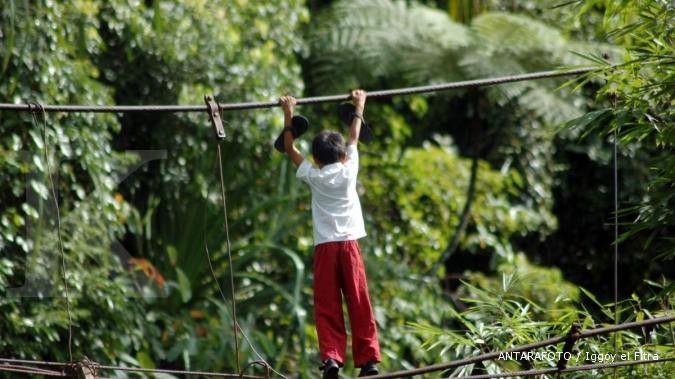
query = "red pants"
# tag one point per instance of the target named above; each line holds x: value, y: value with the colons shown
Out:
x: 338, y: 270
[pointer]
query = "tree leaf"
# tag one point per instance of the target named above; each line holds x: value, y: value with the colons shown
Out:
x: 183, y: 285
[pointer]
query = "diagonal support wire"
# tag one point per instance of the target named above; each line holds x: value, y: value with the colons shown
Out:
x: 229, y: 255
x: 39, y: 117
x: 236, y: 327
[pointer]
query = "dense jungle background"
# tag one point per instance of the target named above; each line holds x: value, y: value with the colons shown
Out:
x: 490, y: 212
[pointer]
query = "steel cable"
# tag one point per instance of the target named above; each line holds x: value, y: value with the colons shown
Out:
x: 427, y: 369
x: 236, y: 325
x: 302, y: 101
x: 555, y: 370
x: 39, y: 110
x: 30, y: 370
x: 616, y: 234
x: 20, y: 364
x: 168, y: 371
x: 495, y: 354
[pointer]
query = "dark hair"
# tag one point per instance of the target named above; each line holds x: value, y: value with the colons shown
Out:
x: 328, y: 147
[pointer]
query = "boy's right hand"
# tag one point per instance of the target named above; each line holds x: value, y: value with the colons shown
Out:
x: 288, y: 104
x: 359, y: 100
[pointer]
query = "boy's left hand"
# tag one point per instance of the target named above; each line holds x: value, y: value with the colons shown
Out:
x: 288, y: 104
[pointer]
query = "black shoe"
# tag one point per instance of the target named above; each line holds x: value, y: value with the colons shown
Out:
x: 330, y: 369
x: 369, y: 369
x: 299, y: 125
x: 346, y: 112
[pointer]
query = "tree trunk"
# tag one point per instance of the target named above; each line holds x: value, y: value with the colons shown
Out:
x: 464, y: 220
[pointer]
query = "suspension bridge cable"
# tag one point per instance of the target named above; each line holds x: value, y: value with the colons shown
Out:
x: 39, y: 110
x: 215, y: 278
x: 236, y: 325
x: 181, y: 372
x: 32, y: 362
x: 616, y: 234
x: 525, y: 373
x: 535, y: 345
x: 555, y: 370
x: 307, y: 100
x: 417, y: 371
x: 229, y: 255
x: 20, y: 365
x: 30, y: 370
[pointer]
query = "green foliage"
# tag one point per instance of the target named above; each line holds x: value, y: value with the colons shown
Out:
x: 416, y: 203
x: 96, y: 52
x: 367, y: 41
x: 545, y: 287
x: 464, y: 10
x: 42, y: 61
x: 183, y: 50
x: 399, y: 296
x: 584, y: 22
x: 638, y: 95
x: 502, y: 315
x: 358, y: 41
x: 163, y: 308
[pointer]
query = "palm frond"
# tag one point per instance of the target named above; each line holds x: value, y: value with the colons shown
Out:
x: 364, y: 41
x: 536, y: 45
x: 532, y: 43
x: 550, y: 105
x: 510, y: 44
x: 483, y: 63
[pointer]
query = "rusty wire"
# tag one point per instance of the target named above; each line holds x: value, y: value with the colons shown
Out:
x: 261, y: 360
x: 616, y: 232
x: 495, y: 354
x: 427, y: 369
x: 39, y: 117
x: 27, y: 366
x: 229, y: 257
x: 555, y: 370
x: 235, y: 324
x: 20, y: 368
x: 182, y: 372
x: 301, y: 101
x: 261, y: 363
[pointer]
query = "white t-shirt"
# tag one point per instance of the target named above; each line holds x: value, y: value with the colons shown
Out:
x: 336, y: 209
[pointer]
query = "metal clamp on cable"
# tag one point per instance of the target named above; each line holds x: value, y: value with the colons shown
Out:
x: 214, y: 115
x: 572, y: 337
x: 86, y: 369
x: 260, y: 363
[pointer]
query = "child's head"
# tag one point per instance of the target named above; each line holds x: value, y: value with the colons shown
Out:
x: 328, y: 147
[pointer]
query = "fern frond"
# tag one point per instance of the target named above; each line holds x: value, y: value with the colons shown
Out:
x: 389, y: 40
x: 534, y: 44
x: 365, y: 42
x: 550, y: 105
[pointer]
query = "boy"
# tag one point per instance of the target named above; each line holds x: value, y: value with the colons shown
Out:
x: 338, y: 223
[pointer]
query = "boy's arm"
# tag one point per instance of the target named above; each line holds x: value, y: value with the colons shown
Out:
x: 359, y: 100
x: 287, y: 104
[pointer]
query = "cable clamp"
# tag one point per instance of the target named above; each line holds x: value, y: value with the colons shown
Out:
x: 572, y: 337
x: 213, y: 109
